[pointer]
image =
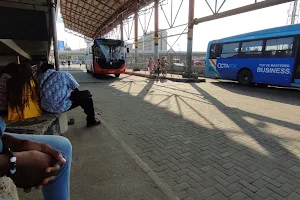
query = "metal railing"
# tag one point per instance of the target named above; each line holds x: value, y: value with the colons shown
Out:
x: 171, y: 68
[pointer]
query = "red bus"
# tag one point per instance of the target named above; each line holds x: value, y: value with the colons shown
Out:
x: 105, y: 56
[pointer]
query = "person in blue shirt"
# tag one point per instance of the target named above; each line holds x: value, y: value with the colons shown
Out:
x: 40, y: 161
x: 59, y: 93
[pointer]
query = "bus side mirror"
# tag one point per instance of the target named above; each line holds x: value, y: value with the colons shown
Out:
x: 127, y: 50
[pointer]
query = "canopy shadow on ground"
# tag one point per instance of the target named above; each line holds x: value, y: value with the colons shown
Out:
x: 175, y: 148
x: 282, y: 95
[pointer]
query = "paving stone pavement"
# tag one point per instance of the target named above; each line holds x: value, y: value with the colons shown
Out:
x: 209, y: 140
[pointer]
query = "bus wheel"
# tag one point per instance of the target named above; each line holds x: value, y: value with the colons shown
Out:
x: 245, y: 77
x: 117, y: 75
x: 93, y: 72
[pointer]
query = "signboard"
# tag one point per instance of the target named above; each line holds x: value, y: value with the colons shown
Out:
x: 60, y: 45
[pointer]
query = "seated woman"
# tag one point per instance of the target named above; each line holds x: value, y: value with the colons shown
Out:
x: 23, y: 96
x: 6, y: 73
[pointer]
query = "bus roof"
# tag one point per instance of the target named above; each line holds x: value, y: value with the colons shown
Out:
x: 272, y: 32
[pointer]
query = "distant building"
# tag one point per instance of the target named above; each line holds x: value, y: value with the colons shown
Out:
x: 146, y: 42
x: 73, y: 55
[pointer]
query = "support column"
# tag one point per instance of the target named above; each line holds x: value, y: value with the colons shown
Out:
x: 136, y: 24
x: 121, y: 30
x: 54, y: 33
x: 190, y: 37
x: 155, y: 30
x: 294, y: 12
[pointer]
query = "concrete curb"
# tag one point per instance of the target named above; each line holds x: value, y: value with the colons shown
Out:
x: 165, y: 188
x: 181, y: 80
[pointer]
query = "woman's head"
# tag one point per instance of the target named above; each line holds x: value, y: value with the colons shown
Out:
x: 17, y: 84
x: 10, y: 69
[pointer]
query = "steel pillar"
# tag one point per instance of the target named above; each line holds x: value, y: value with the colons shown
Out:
x: 294, y: 12
x: 190, y: 37
x: 121, y: 31
x: 54, y: 33
x: 136, y: 24
x: 155, y: 30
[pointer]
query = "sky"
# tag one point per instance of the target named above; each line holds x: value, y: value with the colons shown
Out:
x: 204, y: 32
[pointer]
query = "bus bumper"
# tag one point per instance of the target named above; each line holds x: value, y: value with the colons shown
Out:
x: 99, y: 70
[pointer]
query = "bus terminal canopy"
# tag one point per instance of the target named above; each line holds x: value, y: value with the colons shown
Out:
x: 93, y: 18
x: 25, y: 28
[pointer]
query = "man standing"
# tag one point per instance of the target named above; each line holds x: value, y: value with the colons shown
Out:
x: 59, y: 93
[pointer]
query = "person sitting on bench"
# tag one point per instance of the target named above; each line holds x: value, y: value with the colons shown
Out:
x: 59, y: 93
x: 40, y: 161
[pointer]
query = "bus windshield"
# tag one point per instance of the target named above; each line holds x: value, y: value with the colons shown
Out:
x: 111, y: 51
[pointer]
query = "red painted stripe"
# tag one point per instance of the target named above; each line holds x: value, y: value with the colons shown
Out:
x: 213, y: 62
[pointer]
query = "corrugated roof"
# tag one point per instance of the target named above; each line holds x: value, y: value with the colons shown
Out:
x: 94, y: 17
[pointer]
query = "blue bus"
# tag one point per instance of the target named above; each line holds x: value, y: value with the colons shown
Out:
x: 269, y: 57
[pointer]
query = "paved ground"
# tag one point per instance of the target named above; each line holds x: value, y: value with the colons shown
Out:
x: 101, y: 168
x: 210, y: 140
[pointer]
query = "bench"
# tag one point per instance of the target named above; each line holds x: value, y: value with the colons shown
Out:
x: 47, y: 124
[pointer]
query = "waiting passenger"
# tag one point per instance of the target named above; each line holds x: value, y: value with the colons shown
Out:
x: 23, y: 95
x: 164, y: 66
x: 5, y: 75
x: 151, y: 65
x: 59, y: 93
x: 41, y: 161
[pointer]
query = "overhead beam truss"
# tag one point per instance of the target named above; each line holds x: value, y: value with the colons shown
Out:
x: 251, y: 7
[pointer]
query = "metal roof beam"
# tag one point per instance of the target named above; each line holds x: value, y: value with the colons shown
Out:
x: 96, y: 7
x: 105, y: 4
x: 80, y: 14
x: 240, y: 10
x: 23, y: 5
x: 11, y: 44
x: 86, y: 27
x: 87, y: 10
x: 114, y: 17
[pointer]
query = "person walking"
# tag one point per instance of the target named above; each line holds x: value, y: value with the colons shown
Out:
x: 151, y: 65
x: 164, y: 66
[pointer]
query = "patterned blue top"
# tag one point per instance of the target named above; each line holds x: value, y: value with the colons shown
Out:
x: 55, y: 94
x: 2, y: 129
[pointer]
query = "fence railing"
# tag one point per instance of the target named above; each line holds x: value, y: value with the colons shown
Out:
x: 171, y: 68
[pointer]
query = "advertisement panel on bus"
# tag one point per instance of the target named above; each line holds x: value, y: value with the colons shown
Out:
x: 276, y: 71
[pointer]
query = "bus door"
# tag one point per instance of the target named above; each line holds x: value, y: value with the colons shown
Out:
x: 297, y: 63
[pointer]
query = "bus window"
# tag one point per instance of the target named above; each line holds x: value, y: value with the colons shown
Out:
x: 252, y: 48
x: 230, y: 50
x: 281, y: 47
x: 215, y: 51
